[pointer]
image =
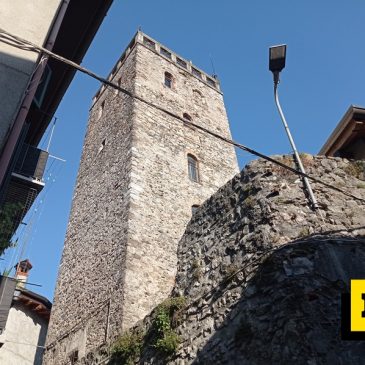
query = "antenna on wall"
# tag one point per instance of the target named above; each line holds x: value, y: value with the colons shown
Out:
x: 213, y: 68
x: 51, y: 135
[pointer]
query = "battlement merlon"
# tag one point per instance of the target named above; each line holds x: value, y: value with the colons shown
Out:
x: 166, y: 53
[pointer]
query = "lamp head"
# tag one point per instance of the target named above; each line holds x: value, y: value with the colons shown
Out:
x: 277, y: 55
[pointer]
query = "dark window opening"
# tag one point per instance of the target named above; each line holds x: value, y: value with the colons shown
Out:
x: 181, y: 62
x: 147, y: 42
x: 168, y: 80
x: 42, y: 87
x: 165, y: 53
x: 119, y: 83
x: 74, y: 357
x: 186, y: 116
x: 211, y: 82
x: 196, y: 72
x: 193, y: 168
x: 103, y: 143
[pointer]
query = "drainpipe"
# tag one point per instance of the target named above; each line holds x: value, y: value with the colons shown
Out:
x: 29, y: 94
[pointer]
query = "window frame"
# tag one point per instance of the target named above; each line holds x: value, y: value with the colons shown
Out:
x: 193, y: 168
x: 168, y: 80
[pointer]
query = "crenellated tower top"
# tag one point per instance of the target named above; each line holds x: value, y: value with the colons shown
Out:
x: 156, y: 47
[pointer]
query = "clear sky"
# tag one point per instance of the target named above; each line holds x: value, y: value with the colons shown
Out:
x: 324, y: 74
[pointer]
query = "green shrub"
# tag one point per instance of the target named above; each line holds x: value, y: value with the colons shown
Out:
x: 169, y: 343
x: 197, y: 271
x: 304, y: 232
x: 356, y: 169
x: 229, y: 271
x: 8, y: 215
x: 172, y: 304
x: 167, y: 340
x: 249, y: 202
x: 128, y: 347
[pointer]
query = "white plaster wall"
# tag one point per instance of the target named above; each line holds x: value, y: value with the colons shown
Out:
x: 30, y: 20
x: 23, y: 332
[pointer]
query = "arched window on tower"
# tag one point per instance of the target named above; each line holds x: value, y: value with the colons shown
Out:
x: 168, y: 79
x: 193, y: 169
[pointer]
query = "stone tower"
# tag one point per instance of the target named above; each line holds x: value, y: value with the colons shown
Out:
x: 142, y: 173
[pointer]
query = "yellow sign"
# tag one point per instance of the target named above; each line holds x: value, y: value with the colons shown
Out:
x: 358, y: 305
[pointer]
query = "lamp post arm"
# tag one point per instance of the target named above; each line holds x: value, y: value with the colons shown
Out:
x: 296, y: 154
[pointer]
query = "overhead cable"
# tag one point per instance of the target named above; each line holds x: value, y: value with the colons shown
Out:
x: 18, y: 42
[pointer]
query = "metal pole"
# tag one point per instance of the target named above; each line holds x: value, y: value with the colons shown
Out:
x: 50, y: 137
x: 296, y: 154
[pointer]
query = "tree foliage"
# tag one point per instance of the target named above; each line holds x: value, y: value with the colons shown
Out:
x: 8, y: 214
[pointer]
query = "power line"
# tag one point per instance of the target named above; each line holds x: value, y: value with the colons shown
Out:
x: 18, y: 42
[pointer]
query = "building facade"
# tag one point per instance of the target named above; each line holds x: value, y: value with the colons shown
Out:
x: 24, y: 317
x: 142, y: 173
x: 348, y: 138
x: 32, y: 86
x: 25, y: 20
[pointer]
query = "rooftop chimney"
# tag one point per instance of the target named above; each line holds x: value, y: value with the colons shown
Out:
x: 22, y: 271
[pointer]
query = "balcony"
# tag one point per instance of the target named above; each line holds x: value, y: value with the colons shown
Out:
x: 26, y: 181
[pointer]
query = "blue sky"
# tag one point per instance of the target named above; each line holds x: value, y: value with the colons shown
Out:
x: 324, y: 74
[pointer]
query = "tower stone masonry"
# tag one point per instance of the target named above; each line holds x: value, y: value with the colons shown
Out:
x: 141, y: 173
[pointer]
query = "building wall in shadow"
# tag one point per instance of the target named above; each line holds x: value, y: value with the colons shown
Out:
x: 25, y: 20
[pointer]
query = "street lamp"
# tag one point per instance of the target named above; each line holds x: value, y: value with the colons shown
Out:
x: 277, y: 56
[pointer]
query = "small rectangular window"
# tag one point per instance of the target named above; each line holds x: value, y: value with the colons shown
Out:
x: 211, y: 82
x: 181, y: 62
x: 42, y: 87
x: 74, y: 357
x: 147, y: 42
x: 165, y: 53
x: 193, y: 168
x: 196, y: 72
x: 168, y: 80
x: 119, y: 83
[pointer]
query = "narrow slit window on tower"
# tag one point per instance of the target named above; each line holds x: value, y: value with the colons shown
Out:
x: 168, y: 80
x: 101, y: 146
x: 119, y: 82
x: 194, y: 208
x: 186, y: 116
x: 193, y: 168
x: 101, y: 109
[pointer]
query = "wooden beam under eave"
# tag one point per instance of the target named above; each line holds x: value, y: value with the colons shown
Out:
x: 342, y: 139
x: 39, y: 307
